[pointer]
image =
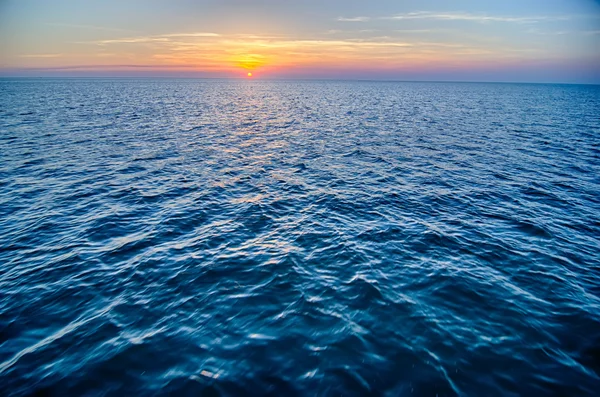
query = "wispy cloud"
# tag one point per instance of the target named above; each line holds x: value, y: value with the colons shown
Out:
x: 113, y: 66
x: 563, y: 32
x: 418, y: 30
x: 316, y: 43
x: 132, y: 40
x: 480, y: 18
x: 539, y: 32
x: 226, y: 51
x: 354, y: 19
x: 213, y: 43
x: 157, y: 38
x: 40, y: 55
x: 89, y: 27
x: 259, y: 36
x: 200, y: 34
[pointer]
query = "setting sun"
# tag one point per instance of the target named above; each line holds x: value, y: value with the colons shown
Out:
x: 404, y: 188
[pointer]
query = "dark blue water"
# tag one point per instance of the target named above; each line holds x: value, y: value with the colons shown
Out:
x: 236, y: 238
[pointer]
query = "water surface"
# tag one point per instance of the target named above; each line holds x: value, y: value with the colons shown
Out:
x: 299, y: 238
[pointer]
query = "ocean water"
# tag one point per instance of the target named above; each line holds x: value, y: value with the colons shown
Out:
x: 255, y: 238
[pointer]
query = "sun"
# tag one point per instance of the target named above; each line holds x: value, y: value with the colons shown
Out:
x: 249, y: 74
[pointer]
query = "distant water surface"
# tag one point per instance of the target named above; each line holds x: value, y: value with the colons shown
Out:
x: 299, y: 238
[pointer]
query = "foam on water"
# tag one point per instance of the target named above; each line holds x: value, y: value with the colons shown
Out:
x: 299, y: 238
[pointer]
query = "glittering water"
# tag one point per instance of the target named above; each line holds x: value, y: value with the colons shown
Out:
x: 299, y: 238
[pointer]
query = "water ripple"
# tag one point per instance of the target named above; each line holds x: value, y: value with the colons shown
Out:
x: 298, y: 238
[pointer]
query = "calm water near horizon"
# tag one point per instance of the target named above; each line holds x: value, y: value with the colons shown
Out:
x: 281, y: 238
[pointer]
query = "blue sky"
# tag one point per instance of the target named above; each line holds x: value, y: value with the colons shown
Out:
x: 527, y: 40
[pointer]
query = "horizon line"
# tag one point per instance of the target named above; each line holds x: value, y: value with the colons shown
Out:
x: 306, y: 79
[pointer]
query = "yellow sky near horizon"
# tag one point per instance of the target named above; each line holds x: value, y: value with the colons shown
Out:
x: 232, y: 38
x: 211, y: 51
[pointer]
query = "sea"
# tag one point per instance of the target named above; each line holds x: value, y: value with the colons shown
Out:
x: 298, y: 238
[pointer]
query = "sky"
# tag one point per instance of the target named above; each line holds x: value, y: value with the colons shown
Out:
x: 440, y: 40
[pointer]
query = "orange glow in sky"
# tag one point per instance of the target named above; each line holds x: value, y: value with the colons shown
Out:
x: 378, y: 39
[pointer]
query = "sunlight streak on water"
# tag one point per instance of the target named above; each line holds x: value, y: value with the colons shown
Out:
x: 299, y: 238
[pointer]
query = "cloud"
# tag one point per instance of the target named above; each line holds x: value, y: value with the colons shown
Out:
x: 132, y: 40
x: 464, y: 16
x: 563, y: 32
x: 201, y: 34
x: 153, y: 39
x: 207, y: 50
x: 89, y: 27
x: 418, y: 30
x: 40, y: 56
x: 113, y: 66
x: 316, y: 43
x: 354, y: 19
